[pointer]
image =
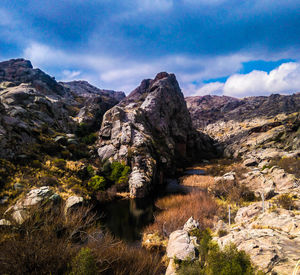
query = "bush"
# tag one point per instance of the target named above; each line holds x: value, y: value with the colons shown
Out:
x: 36, y: 164
x: 90, y: 171
x: 116, y: 257
x: 229, y: 261
x: 119, y: 173
x: 290, y: 165
x: 212, y: 260
x: 233, y: 192
x: 90, y: 139
x: 84, y: 263
x: 97, y: 183
x: 198, y: 204
x: 285, y: 201
x: 60, y: 163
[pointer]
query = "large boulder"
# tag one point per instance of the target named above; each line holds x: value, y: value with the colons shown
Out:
x: 181, y: 246
x: 35, y: 198
x: 151, y: 130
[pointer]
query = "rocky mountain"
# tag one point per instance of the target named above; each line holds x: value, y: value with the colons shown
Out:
x: 209, y: 109
x: 151, y: 130
x: 35, y: 108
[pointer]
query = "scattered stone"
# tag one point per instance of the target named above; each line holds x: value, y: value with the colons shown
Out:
x: 4, y: 222
x: 250, y: 162
x: 190, y: 224
x: 72, y: 202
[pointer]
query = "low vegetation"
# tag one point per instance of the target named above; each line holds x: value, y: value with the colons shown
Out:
x: 54, y: 244
x: 175, y: 210
x: 212, y: 260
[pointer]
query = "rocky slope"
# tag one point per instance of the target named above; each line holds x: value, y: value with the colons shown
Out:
x: 151, y: 130
x: 211, y: 108
x: 34, y: 108
x: 92, y: 102
x: 262, y: 134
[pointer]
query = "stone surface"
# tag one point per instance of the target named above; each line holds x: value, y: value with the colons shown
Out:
x: 191, y: 224
x: 180, y: 246
x: 33, y: 103
x: 73, y: 201
x: 151, y: 130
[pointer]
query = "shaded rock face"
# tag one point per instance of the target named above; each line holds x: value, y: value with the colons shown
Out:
x: 92, y: 102
x: 151, y: 130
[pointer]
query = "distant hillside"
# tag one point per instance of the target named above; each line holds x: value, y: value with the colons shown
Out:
x: 208, y: 109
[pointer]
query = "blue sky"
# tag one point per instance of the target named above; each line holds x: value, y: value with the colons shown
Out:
x: 229, y: 47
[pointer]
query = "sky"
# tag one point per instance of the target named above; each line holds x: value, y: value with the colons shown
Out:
x: 224, y: 47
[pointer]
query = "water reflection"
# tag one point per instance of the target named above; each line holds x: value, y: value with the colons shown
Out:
x: 126, y: 218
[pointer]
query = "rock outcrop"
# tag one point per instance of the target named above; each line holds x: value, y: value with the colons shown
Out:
x: 91, y: 102
x: 35, y: 107
x: 151, y: 130
x: 272, y: 239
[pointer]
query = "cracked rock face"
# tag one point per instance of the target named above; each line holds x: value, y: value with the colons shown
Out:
x: 151, y: 130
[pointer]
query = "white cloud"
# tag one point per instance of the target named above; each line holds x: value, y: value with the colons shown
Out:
x: 210, y: 88
x: 157, y: 5
x: 113, y: 72
x: 70, y: 74
x: 284, y: 79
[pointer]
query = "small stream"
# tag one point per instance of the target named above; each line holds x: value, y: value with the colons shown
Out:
x: 126, y: 218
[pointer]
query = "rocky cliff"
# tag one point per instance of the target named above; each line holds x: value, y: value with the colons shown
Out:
x: 151, y: 130
x: 35, y: 108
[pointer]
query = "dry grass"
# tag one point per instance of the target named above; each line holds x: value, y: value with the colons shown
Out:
x: 202, y: 181
x: 46, y: 243
x: 177, y: 209
x: 115, y: 257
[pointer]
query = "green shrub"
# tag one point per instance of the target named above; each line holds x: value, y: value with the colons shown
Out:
x: 84, y: 263
x: 60, y: 163
x: 119, y: 172
x: 229, y: 261
x: 285, y: 201
x: 212, y: 260
x: 82, y: 130
x: 90, y: 171
x: 90, y: 139
x: 97, y: 183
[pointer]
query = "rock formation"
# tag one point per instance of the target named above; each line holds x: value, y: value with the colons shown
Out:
x: 152, y: 131
x: 34, y: 106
